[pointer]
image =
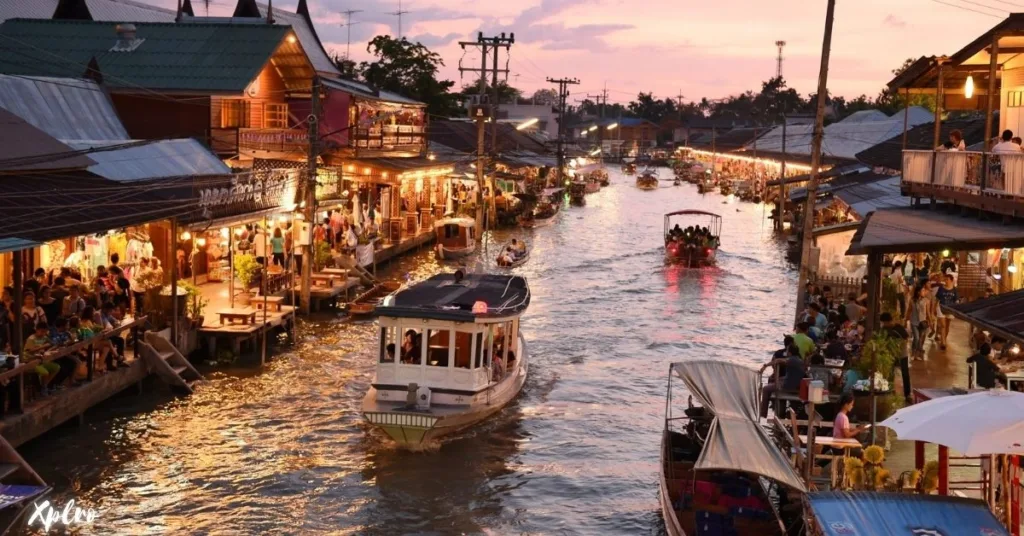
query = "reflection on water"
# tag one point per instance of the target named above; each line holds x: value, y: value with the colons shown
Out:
x: 283, y: 450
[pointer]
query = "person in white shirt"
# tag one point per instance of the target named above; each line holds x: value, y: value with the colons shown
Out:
x: 259, y: 245
x: 1006, y: 145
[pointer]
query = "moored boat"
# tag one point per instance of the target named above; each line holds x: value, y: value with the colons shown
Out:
x: 717, y: 459
x: 514, y: 254
x: 592, y: 185
x: 629, y: 168
x: 648, y: 180
x: 693, y: 246
x: 547, y: 207
x: 456, y: 237
x: 577, y: 191
x: 451, y: 355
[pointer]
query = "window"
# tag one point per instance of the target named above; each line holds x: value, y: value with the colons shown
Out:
x: 234, y: 113
x: 275, y: 115
x: 439, y: 347
x: 388, y: 346
x: 412, y: 347
x: 1014, y: 98
x: 463, y: 341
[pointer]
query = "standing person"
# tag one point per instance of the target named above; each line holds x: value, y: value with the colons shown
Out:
x: 31, y: 314
x: 854, y: 310
x: 51, y: 307
x: 297, y: 240
x: 139, y: 278
x: 7, y: 312
x: 74, y: 304
x: 796, y: 370
x: 920, y: 310
x: 38, y: 280
x: 60, y: 292
x: 947, y: 296
x: 896, y: 277
x: 122, y: 288
x: 99, y: 285
x: 277, y: 247
x: 259, y: 246
x: 899, y: 332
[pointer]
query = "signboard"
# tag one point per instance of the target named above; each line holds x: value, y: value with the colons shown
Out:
x: 245, y: 193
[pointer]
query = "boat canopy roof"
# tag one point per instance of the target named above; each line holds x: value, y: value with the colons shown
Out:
x: 736, y: 441
x: 461, y: 222
x: 443, y: 298
x: 548, y: 192
x: 843, y: 512
x: 689, y: 212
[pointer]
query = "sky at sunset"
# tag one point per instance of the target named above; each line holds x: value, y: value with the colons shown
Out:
x: 701, y: 48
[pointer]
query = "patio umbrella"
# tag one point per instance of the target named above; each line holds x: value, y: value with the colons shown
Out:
x: 976, y: 424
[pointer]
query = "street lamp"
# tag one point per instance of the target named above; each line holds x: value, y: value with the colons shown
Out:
x: 612, y: 126
x: 591, y: 129
x: 528, y: 123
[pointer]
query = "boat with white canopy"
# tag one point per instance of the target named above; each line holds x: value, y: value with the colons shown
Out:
x: 456, y: 237
x: 716, y: 460
x: 451, y: 355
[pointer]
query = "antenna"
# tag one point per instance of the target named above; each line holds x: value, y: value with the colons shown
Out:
x: 348, y: 25
x: 778, y: 67
x: 399, y: 14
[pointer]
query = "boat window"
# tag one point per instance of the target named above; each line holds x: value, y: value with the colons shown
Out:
x: 463, y: 341
x: 481, y: 354
x: 388, y: 344
x: 439, y: 345
x: 451, y: 231
x: 412, y: 346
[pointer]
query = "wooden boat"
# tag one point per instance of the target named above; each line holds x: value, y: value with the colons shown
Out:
x: 548, y: 205
x: 517, y: 259
x: 456, y: 237
x: 705, y: 186
x: 366, y: 303
x: 629, y: 168
x: 577, y: 191
x: 592, y: 185
x: 685, y: 245
x: 716, y: 458
x: 20, y: 487
x: 450, y: 355
x: 648, y: 180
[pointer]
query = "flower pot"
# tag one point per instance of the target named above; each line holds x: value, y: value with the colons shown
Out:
x: 243, y: 299
x: 862, y: 406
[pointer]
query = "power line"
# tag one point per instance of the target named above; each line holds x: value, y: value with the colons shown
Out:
x: 983, y: 5
x: 967, y: 9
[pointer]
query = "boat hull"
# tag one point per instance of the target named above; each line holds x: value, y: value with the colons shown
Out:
x: 593, y: 187
x: 691, y: 257
x: 446, y: 253
x: 668, y: 513
x: 412, y: 428
x: 518, y: 262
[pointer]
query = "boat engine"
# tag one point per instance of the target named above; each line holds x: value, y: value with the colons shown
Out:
x: 423, y: 398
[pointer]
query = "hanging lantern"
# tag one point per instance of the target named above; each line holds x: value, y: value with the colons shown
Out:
x: 969, y: 87
x: 186, y: 236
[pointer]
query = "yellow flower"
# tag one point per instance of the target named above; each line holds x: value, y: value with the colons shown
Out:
x: 874, y: 454
x: 881, y: 478
x: 931, y: 483
x: 913, y: 479
x: 931, y: 469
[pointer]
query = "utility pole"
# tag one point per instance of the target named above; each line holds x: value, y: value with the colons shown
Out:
x: 308, y: 252
x: 679, y: 114
x: 602, y: 101
x: 399, y: 14
x: 482, y: 113
x: 782, y: 179
x: 714, y: 155
x: 348, y: 27
x: 819, y: 133
x: 563, y: 95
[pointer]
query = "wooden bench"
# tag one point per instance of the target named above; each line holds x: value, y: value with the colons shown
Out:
x: 273, y: 302
x: 341, y: 272
x: 246, y: 316
x: 323, y: 279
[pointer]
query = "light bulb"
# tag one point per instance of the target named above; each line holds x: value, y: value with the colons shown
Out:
x: 969, y: 87
x: 186, y: 236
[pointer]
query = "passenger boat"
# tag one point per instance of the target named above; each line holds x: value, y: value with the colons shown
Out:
x: 592, y: 185
x: 648, y: 180
x: 690, y: 245
x: 577, y: 192
x: 456, y: 237
x: 717, y: 462
x: 629, y: 168
x: 450, y: 355
x: 547, y: 207
x: 518, y: 259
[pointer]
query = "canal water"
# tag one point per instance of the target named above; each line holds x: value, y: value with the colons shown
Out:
x: 283, y: 450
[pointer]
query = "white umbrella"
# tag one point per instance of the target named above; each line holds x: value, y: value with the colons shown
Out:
x: 976, y: 424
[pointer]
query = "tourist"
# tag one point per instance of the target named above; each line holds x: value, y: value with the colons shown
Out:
x: 109, y: 321
x: 790, y: 383
x: 898, y: 332
x: 121, y: 287
x: 60, y: 335
x: 836, y: 349
x: 817, y: 320
x: 956, y: 137
x: 999, y: 349
x: 140, y: 278
x: 986, y: 372
x: 277, y: 247
x: 336, y: 223
x: 31, y: 314
x: 259, y: 246
x: 1006, y: 144
x: 411, y: 348
x: 7, y: 312
x: 802, y: 340
x: 60, y: 292
x: 348, y: 240
x: 896, y: 277
x: 947, y: 296
x: 35, y: 345
x: 70, y: 279
x: 920, y: 309
x: 519, y: 247
x: 51, y: 307
x: 1016, y: 141
x: 99, y: 285
x: 38, y: 279
x: 854, y: 310
x: 115, y: 261
x: 74, y: 304
x: 841, y: 428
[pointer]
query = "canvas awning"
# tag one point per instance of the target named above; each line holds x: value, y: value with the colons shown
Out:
x: 736, y: 441
x: 1002, y: 315
x: 908, y: 230
x: 844, y: 513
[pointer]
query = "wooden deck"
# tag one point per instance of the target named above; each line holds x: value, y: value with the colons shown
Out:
x: 389, y: 252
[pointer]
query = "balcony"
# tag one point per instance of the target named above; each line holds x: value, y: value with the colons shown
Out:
x: 389, y: 140
x: 991, y: 182
x: 272, y: 140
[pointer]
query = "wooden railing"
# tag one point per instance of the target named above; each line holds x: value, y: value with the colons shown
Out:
x: 85, y: 347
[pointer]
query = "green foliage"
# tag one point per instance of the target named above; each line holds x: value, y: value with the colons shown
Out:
x: 890, y: 299
x: 246, y: 269
x: 322, y: 256
x: 195, y: 302
x: 506, y: 93
x: 881, y: 350
x: 409, y: 69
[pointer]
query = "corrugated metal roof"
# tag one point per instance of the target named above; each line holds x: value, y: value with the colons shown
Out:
x: 1004, y: 312
x: 907, y: 230
x: 24, y: 147
x: 360, y: 89
x: 65, y: 108
x: 307, y: 36
x: 168, y: 56
x: 843, y: 513
x: 153, y: 160
x: 110, y: 10
x: 869, y: 197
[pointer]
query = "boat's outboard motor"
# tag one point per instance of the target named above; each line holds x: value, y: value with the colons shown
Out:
x: 410, y: 396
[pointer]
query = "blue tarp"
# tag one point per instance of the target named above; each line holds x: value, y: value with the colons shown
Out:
x: 902, y: 514
x: 15, y: 494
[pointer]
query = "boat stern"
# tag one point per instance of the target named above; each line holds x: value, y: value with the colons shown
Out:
x: 408, y: 429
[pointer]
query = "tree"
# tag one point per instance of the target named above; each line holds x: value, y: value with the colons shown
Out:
x: 890, y: 101
x: 545, y: 96
x: 650, y: 108
x: 349, y: 69
x: 506, y: 93
x: 410, y: 69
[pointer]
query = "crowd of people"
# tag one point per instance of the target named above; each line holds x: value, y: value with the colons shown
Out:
x: 512, y: 253
x: 692, y: 236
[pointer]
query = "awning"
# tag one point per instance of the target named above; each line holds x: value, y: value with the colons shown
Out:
x: 1002, y: 315
x: 843, y: 513
x: 908, y: 230
x: 736, y: 441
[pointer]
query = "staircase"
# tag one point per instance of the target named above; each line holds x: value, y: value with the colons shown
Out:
x: 167, y: 362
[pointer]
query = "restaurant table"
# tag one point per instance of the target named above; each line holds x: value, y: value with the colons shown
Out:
x: 846, y: 445
x: 247, y: 316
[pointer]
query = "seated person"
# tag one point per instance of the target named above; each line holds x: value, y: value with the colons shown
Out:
x: 836, y: 349
x: 62, y: 336
x: 841, y: 428
x: 35, y: 345
x: 986, y: 372
x: 390, y: 353
x: 518, y: 247
x: 411, y: 348
x: 796, y: 370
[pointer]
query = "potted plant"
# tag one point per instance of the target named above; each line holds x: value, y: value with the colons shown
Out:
x: 322, y: 255
x: 880, y: 352
x: 195, y: 303
x: 246, y: 269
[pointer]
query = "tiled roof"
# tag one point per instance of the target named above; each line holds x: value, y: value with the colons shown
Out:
x: 731, y: 140
x: 168, y: 56
x: 889, y: 153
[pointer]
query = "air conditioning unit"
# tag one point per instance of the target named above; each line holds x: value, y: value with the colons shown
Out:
x: 423, y: 398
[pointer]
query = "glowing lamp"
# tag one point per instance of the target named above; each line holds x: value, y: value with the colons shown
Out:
x: 945, y: 253
x: 291, y: 38
x: 186, y: 236
x: 282, y: 219
x: 969, y: 87
x: 707, y: 251
x: 431, y: 156
x: 224, y: 232
x: 1015, y: 350
x: 200, y: 242
x: 1012, y: 268
x: 480, y: 308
